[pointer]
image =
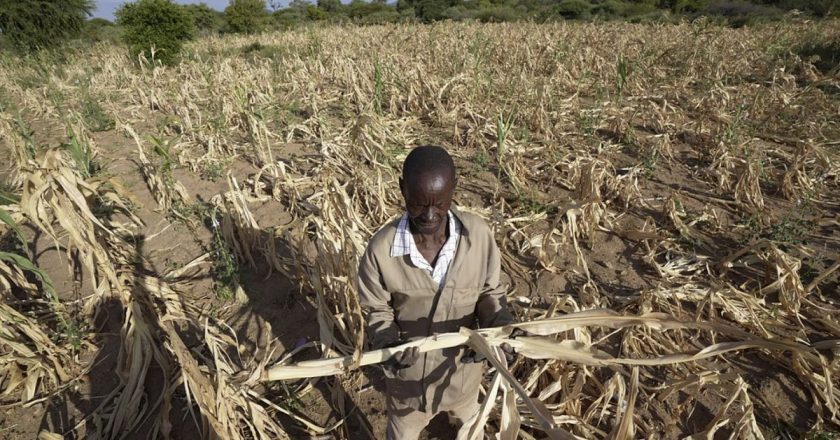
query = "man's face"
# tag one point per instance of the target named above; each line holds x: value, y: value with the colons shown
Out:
x: 428, y: 197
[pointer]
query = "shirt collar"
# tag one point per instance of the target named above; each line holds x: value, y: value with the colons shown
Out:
x: 404, y: 241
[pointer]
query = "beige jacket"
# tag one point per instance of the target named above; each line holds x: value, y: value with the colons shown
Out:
x: 401, y: 302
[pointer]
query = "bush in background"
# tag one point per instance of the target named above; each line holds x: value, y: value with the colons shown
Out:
x: 100, y: 29
x: 246, y: 16
x: 571, y: 9
x: 31, y: 25
x: 155, y: 23
x: 822, y: 52
x: 206, y: 19
x: 288, y: 17
x: 497, y: 14
x: 740, y: 13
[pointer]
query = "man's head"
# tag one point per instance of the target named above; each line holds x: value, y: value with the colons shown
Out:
x: 427, y: 185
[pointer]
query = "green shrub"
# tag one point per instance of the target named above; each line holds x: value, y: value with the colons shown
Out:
x: 820, y: 8
x: 100, y: 29
x: 31, y: 25
x: 155, y: 23
x: 430, y: 10
x: 288, y: 17
x: 246, y: 16
x: 206, y: 19
x: 96, y: 118
x: 458, y: 13
x: 572, y: 9
x: 740, y: 13
x: 824, y: 54
x: 315, y: 14
x: 687, y: 6
x: 257, y: 50
x: 330, y: 6
x: 637, y: 9
x: 375, y: 12
x: 389, y: 15
x: 497, y: 14
x: 610, y: 9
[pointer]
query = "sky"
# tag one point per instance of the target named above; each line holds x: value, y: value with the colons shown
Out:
x: 105, y: 8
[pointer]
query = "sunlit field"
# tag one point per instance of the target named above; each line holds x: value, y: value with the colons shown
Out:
x: 172, y: 237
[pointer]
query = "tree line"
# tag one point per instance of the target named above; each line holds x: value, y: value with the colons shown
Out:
x: 27, y: 26
x: 248, y: 16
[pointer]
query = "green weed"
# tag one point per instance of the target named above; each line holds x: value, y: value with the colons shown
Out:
x: 68, y: 328
x: 225, y: 266
x: 8, y: 194
x: 588, y: 121
x: 82, y: 155
x: 622, y: 70
x: 26, y: 133
x: 529, y: 204
x: 481, y: 158
x: 257, y: 50
x: 55, y: 95
x: 314, y: 46
x: 226, y: 273
x: 789, y: 230
x: 213, y: 171
x: 480, y: 48
x: 824, y: 435
x: 95, y: 116
x: 807, y: 273
x: 650, y: 164
x: 732, y: 133
x: 503, y: 127
x: 164, y: 152
x: 823, y: 53
x: 70, y: 332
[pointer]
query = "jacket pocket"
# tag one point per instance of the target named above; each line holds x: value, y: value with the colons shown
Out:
x: 462, y: 308
x: 471, y: 375
x: 407, y: 383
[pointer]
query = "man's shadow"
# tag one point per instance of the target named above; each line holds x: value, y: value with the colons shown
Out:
x: 83, y: 411
x: 292, y: 321
x: 291, y: 313
x: 291, y: 316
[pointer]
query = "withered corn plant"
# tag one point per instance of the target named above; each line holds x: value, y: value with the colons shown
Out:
x: 707, y: 156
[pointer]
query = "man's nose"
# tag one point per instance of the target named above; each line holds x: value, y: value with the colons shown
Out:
x: 429, y: 214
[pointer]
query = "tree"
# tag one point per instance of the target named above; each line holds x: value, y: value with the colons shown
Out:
x: 100, y: 29
x: 205, y: 17
x: 41, y: 24
x: 573, y: 8
x: 156, y: 23
x: 431, y: 10
x: 331, y: 6
x: 246, y: 16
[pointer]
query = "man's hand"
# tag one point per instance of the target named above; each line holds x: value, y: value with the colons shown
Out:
x: 404, y: 359
x: 510, y: 353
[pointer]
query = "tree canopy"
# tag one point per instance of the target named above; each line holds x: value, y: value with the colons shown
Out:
x: 41, y: 24
x: 246, y: 16
x: 159, y: 24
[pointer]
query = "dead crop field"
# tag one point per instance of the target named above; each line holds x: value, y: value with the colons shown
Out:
x: 666, y: 198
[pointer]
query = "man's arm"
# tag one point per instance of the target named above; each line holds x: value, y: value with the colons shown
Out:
x: 491, y: 308
x: 381, y: 329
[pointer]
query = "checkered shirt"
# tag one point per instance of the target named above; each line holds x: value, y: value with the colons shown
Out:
x: 404, y: 245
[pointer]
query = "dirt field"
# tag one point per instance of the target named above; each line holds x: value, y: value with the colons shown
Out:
x: 690, y: 170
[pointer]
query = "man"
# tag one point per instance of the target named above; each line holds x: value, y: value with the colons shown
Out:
x: 434, y: 270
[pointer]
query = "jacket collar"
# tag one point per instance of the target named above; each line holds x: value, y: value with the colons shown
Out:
x: 457, y: 213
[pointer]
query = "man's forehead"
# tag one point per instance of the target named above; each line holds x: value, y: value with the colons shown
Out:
x: 429, y: 179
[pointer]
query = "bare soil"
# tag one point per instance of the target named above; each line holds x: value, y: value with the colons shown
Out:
x: 273, y: 307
